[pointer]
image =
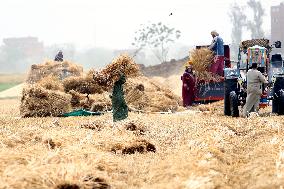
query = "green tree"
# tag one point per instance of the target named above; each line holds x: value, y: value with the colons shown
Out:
x: 158, y: 37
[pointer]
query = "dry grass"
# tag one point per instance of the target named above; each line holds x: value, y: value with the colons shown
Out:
x: 40, y: 102
x: 201, y: 62
x: 149, y: 95
x: 53, y: 68
x: 193, y: 149
x: 123, y: 64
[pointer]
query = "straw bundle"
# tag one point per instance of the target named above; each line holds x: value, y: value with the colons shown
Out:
x: 84, y: 85
x: 39, y: 102
x: 97, y: 102
x: 76, y: 98
x: 135, y: 96
x: 57, y: 69
x: 51, y: 83
x: 202, y: 60
x: 131, y: 147
x: 123, y: 64
x: 150, y: 96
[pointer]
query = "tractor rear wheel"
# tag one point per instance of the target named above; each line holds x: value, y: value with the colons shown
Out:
x: 230, y: 85
x: 281, y: 103
x: 278, y: 96
x: 234, y: 104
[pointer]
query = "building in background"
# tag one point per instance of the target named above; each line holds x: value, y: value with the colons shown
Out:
x: 277, y: 26
x: 28, y: 46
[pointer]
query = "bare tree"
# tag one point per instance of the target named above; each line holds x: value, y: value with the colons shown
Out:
x: 255, y: 25
x: 238, y: 19
x: 157, y: 37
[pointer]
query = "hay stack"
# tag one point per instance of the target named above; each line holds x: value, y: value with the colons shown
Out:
x: 123, y: 64
x: 201, y: 62
x: 97, y: 102
x: 51, y: 83
x: 39, y: 102
x: 150, y: 96
x: 93, y: 102
x: 135, y: 95
x: 57, y: 69
x: 84, y: 85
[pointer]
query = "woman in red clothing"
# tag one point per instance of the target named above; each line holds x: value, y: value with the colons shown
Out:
x: 188, y: 86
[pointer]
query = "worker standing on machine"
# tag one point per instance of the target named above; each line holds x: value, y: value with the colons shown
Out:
x: 217, y: 46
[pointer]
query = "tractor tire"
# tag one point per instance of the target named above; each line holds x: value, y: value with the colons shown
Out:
x: 277, y: 104
x: 234, y: 104
x: 229, y: 85
x: 281, y: 103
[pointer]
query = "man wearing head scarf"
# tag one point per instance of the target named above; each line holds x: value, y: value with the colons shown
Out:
x: 217, y: 46
x: 59, y: 57
x: 255, y: 79
x: 188, y: 85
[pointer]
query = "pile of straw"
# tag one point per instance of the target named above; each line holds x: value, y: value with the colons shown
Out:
x: 57, y: 69
x: 84, y: 85
x: 150, y: 95
x: 202, y: 60
x: 93, y: 102
x: 39, y: 102
x: 51, y: 83
x: 121, y: 65
x: 132, y: 147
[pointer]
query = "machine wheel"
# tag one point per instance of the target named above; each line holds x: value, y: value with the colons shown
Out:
x: 227, y: 108
x: 230, y: 86
x: 281, y: 103
x: 234, y: 103
x: 275, y: 105
x: 277, y: 102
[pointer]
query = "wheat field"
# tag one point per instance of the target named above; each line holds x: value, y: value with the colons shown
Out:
x: 192, y: 149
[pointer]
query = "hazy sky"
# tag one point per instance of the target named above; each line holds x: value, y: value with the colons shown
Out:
x: 112, y: 23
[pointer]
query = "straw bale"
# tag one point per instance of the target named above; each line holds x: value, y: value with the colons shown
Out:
x: 122, y: 64
x: 53, y: 68
x: 85, y: 85
x: 76, y: 98
x: 150, y: 96
x: 39, y: 102
x: 99, y: 102
x: 92, y: 102
x: 51, y: 82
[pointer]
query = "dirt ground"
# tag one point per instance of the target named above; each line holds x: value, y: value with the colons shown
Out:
x: 191, y: 149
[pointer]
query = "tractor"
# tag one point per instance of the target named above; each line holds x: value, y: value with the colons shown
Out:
x: 255, y: 51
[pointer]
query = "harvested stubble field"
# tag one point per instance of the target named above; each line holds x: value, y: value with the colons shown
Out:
x: 192, y: 149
